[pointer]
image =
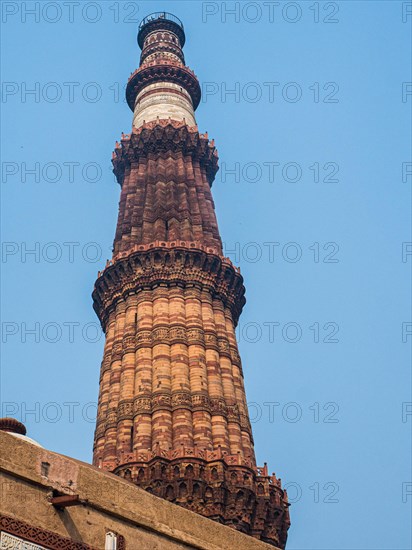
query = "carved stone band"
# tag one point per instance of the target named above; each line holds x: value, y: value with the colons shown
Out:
x: 171, y: 267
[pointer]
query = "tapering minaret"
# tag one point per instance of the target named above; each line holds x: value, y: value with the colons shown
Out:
x: 172, y: 412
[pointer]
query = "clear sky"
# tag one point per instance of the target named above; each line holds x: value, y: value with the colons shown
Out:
x: 313, y: 203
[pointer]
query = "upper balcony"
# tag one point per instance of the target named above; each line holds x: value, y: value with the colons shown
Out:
x: 160, y: 15
x: 160, y: 20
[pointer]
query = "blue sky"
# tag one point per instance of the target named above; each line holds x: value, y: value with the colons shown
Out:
x: 312, y: 204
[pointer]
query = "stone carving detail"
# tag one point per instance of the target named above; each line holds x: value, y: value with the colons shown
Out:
x: 217, y: 487
x: 164, y: 136
x: 195, y: 402
x: 161, y: 401
x: 233, y: 413
x: 142, y: 405
x: 218, y: 406
x: 125, y: 410
x: 177, y: 334
x: 9, y: 542
x: 128, y: 344
x: 179, y: 265
x: 149, y: 73
x: 195, y: 335
x: 143, y: 337
x: 224, y: 347
x: 211, y: 340
x: 111, y: 419
x: 201, y: 402
x: 117, y: 351
x: 33, y: 536
x: 159, y: 335
x: 181, y: 399
x: 235, y: 357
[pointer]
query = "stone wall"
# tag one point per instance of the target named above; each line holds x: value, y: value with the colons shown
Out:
x: 31, y: 476
x: 163, y: 100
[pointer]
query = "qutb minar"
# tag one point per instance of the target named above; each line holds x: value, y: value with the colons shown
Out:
x: 172, y: 413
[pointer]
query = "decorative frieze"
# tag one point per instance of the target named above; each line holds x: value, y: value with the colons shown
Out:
x: 161, y: 401
x: 143, y: 338
x: 224, y: 347
x: 178, y: 266
x: 128, y: 344
x: 171, y: 401
x: 208, y: 481
x: 125, y: 410
x: 142, y: 404
x: 35, y: 538
x: 182, y: 400
x: 165, y: 137
x: 201, y: 402
x: 163, y: 71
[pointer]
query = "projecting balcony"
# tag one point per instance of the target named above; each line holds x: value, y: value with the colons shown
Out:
x: 160, y: 15
x: 160, y: 20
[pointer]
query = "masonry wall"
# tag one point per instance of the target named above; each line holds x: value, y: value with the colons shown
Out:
x: 31, y: 475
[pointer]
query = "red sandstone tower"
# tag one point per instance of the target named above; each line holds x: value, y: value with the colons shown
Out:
x: 172, y: 413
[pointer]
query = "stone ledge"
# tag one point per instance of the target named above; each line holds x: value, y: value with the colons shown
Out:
x: 168, y: 266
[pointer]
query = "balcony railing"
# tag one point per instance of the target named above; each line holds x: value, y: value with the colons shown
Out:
x: 160, y: 15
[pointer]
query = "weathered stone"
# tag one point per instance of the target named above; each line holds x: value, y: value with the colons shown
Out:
x: 172, y: 412
x: 106, y: 503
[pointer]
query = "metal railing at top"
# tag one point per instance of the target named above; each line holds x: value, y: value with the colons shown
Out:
x: 160, y: 15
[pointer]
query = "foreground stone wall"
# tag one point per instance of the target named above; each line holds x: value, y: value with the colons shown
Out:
x: 31, y: 476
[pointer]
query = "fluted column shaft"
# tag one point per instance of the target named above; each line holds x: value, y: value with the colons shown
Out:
x: 172, y: 410
x: 170, y: 379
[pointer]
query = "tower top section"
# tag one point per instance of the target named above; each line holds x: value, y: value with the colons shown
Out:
x: 160, y: 21
x: 163, y: 87
x: 172, y: 414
